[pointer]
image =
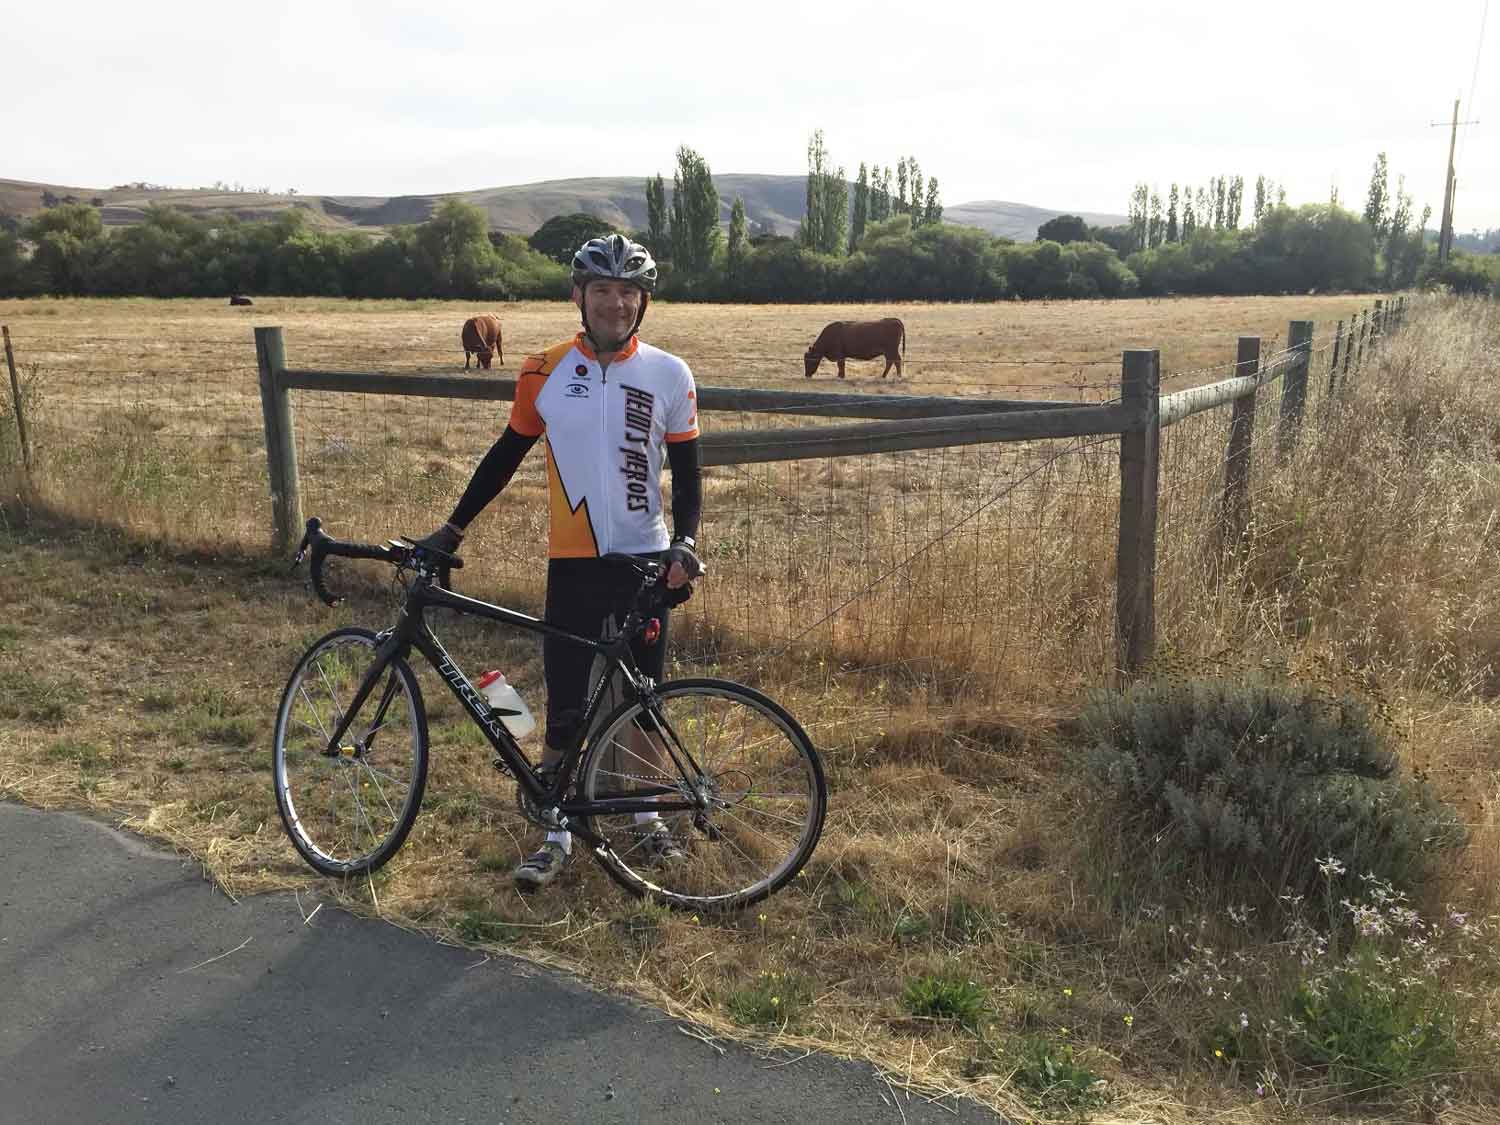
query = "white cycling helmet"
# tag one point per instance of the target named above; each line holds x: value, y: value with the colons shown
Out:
x: 614, y: 256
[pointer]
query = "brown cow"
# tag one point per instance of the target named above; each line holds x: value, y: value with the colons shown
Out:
x: 481, y: 336
x: 858, y: 339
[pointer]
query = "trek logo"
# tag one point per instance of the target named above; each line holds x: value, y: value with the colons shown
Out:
x: 639, y: 405
x: 578, y: 390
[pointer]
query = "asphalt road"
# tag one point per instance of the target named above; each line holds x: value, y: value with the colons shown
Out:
x: 132, y: 991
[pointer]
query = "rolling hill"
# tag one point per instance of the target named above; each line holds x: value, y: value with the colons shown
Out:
x: 773, y: 204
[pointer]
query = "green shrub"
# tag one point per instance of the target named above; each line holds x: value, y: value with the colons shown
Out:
x: 1052, y: 1078
x: 945, y: 996
x: 1244, y: 786
x: 777, y: 999
x: 1372, y: 1032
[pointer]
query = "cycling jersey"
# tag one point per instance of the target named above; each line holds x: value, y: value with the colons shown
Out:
x: 605, y: 430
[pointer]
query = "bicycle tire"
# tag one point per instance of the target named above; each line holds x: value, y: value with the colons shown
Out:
x: 377, y: 786
x: 743, y: 848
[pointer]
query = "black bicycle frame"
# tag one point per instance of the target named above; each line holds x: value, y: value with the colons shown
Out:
x: 411, y: 631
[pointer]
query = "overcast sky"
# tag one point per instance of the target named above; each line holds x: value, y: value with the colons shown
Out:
x: 1061, y: 105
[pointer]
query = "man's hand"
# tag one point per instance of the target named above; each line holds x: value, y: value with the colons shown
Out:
x: 445, y: 539
x: 683, y: 564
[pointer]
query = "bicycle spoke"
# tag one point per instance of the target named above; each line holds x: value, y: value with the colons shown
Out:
x: 374, y: 776
x: 332, y: 696
x: 313, y: 707
x: 772, y: 816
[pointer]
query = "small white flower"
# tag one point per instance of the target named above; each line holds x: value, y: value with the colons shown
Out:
x: 1330, y: 867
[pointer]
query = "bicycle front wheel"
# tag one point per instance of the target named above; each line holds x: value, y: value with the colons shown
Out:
x: 348, y: 810
x: 754, y: 778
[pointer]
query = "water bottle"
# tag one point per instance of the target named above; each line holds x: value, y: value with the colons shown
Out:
x: 507, y: 703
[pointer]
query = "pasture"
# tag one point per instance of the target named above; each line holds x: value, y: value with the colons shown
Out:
x: 933, y: 618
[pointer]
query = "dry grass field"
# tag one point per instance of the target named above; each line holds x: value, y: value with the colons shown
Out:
x: 934, y: 619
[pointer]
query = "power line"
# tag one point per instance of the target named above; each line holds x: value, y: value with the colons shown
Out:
x: 1474, y: 77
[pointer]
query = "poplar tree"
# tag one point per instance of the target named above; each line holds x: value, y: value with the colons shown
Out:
x: 656, y: 216
x: 1155, y: 227
x: 1260, y: 198
x: 1377, y: 202
x: 1172, y: 214
x: 861, y: 207
x: 1218, y: 185
x: 1189, y: 217
x: 914, y: 170
x: 934, y: 209
x: 695, y: 213
x: 1139, y: 207
x: 1232, y: 204
x: 827, y: 217
x: 1396, y: 229
x: 902, y: 204
x: 738, y: 239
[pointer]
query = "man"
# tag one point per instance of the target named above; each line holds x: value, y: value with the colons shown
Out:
x: 609, y: 406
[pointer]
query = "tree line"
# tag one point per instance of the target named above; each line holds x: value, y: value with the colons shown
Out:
x: 175, y: 254
x: 887, y: 243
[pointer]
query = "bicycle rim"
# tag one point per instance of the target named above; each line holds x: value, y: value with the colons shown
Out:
x: 347, y: 813
x: 761, y: 795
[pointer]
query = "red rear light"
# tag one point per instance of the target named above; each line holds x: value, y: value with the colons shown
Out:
x: 652, y: 633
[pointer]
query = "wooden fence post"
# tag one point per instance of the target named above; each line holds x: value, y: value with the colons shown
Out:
x: 1379, y: 321
x: 1333, y: 366
x: 1135, y: 570
x: 1349, y: 351
x: 1294, y: 382
x: 1236, y: 497
x: 15, y: 392
x: 281, y: 442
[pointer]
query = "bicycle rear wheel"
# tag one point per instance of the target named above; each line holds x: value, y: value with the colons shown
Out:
x: 757, y: 782
x: 348, y: 812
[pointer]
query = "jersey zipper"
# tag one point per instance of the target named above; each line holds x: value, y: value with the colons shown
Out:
x: 604, y: 460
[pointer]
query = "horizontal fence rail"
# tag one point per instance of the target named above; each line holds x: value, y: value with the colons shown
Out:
x: 750, y: 446
x: 809, y: 404
x: 1184, y: 404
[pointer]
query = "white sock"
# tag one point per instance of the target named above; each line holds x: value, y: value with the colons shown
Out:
x: 563, y: 838
x: 647, y: 817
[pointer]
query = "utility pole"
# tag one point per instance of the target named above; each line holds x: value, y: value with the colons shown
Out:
x: 1450, y: 187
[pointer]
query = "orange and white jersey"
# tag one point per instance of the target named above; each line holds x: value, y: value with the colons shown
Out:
x: 606, y: 433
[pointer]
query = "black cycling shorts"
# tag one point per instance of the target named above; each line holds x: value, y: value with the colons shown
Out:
x: 590, y: 597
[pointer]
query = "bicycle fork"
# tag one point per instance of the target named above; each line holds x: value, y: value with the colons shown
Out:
x: 383, y: 656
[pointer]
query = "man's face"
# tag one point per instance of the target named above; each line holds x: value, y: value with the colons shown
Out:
x: 610, y: 306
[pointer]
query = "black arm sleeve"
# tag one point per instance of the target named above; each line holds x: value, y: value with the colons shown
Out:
x: 687, y: 487
x: 493, y: 474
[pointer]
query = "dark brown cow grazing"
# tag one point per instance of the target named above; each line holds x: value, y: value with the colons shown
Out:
x: 481, y: 336
x: 240, y: 299
x: 858, y: 339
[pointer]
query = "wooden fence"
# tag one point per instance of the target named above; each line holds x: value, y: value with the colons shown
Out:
x: 927, y: 422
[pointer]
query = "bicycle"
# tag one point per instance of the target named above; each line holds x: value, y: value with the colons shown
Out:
x: 736, y: 779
